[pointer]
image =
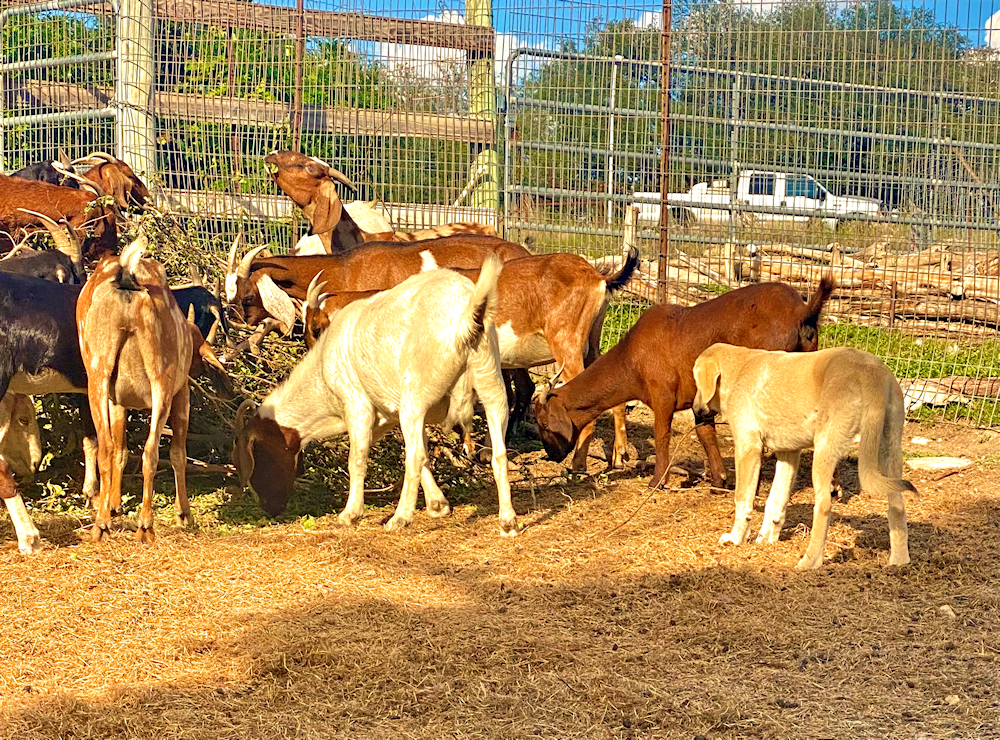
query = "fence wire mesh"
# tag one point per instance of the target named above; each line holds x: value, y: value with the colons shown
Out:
x: 860, y: 137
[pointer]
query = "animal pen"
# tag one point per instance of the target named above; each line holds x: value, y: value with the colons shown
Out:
x: 546, y: 119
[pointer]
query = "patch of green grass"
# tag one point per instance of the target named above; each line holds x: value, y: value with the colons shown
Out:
x: 621, y: 316
x: 917, y: 357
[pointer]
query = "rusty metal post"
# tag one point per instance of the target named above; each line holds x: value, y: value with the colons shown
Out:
x: 661, y: 270
x: 300, y: 52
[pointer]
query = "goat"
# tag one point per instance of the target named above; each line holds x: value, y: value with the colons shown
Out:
x: 137, y: 348
x: 117, y: 179
x: 308, y: 181
x: 203, y: 307
x: 20, y: 440
x: 20, y: 454
x: 378, y: 265
x: 653, y: 364
x: 790, y: 402
x: 406, y: 356
x: 62, y: 265
x: 20, y: 199
x: 52, y: 171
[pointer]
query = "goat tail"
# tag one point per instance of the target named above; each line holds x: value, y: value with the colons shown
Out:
x: 128, y: 261
x: 620, y: 279
x: 873, y: 453
x: 816, y: 301
x: 482, y: 304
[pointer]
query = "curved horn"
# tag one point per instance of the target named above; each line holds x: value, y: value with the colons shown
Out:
x: 233, y: 250
x: 64, y: 236
x: 555, y: 378
x: 22, y: 247
x: 313, y: 291
x: 99, y: 156
x: 340, y: 177
x: 241, y: 414
x: 84, y: 182
x: 243, y: 271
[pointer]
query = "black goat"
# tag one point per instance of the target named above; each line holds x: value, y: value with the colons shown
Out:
x: 46, y: 264
x: 44, y: 171
x: 203, y: 309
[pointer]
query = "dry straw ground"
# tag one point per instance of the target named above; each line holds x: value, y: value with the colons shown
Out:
x: 574, y: 629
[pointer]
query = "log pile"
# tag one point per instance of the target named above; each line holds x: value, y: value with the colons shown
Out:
x: 943, y: 284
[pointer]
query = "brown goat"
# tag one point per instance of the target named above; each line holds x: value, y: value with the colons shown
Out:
x: 137, y: 348
x: 376, y: 266
x: 79, y: 208
x: 308, y: 181
x: 117, y: 179
x: 654, y: 362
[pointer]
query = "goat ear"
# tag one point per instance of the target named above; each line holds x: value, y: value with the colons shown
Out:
x: 276, y: 301
x: 212, y: 369
x: 119, y: 186
x: 275, y: 466
x: 329, y: 208
x: 555, y: 428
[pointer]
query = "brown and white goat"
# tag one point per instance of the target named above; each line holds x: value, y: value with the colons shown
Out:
x: 308, y: 181
x: 654, y: 362
x: 117, y: 179
x: 21, y: 199
x: 407, y: 356
x: 375, y: 266
x: 137, y: 348
x: 20, y: 453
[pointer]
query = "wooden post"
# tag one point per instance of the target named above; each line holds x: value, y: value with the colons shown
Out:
x: 661, y: 271
x: 300, y: 50
x: 136, y: 124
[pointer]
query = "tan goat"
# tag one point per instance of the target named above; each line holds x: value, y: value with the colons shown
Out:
x: 137, y: 348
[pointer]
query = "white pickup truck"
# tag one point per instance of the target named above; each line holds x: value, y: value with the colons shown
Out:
x: 796, y: 197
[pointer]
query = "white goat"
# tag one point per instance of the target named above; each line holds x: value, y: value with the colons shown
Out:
x: 406, y: 356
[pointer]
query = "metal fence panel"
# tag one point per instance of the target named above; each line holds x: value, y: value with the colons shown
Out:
x: 544, y: 118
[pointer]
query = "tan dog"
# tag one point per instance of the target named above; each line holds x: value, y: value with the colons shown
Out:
x: 789, y: 402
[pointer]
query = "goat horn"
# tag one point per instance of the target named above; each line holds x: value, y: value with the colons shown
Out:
x: 243, y: 271
x: 100, y: 156
x: 241, y: 414
x: 233, y: 250
x: 17, y: 248
x: 195, y: 276
x: 341, y: 178
x: 190, y: 316
x: 217, y: 289
x: 214, y: 330
x: 64, y: 236
x: 313, y: 291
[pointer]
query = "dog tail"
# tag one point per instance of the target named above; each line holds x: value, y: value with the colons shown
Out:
x: 870, y: 451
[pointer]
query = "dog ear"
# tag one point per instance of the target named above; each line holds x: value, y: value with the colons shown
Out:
x: 706, y: 378
x: 329, y: 208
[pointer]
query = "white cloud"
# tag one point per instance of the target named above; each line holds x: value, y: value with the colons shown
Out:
x: 993, y: 30
x: 650, y: 19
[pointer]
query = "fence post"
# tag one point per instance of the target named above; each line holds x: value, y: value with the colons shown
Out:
x: 662, y: 263
x: 483, y: 104
x: 135, y: 122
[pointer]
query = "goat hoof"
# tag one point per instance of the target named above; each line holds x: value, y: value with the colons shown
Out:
x: 438, y: 509
x: 99, y: 530
x: 185, y: 520
x: 145, y: 535
x: 396, y: 523
x: 806, y: 564
x: 30, y: 545
x: 729, y: 539
x: 346, y: 519
x: 509, y: 528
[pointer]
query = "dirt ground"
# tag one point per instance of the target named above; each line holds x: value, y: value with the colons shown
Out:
x: 614, y: 614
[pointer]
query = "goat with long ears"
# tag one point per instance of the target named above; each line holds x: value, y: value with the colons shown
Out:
x: 415, y: 354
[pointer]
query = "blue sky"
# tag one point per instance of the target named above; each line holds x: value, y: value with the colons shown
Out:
x: 532, y: 20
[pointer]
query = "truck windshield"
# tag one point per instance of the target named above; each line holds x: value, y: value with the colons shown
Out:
x: 802, y: 186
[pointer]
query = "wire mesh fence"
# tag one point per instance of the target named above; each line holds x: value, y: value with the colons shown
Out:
x: 862, y: 138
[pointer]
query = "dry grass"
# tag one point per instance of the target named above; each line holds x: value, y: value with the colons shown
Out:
x: 575, y: 628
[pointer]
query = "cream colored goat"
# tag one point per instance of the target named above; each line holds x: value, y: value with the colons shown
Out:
x: 789, y: 402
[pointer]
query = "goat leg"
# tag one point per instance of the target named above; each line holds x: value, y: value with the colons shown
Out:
x: 663, y: 418
x: 519, y: 393
x: 705, y: 430
x: 179, y: 415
